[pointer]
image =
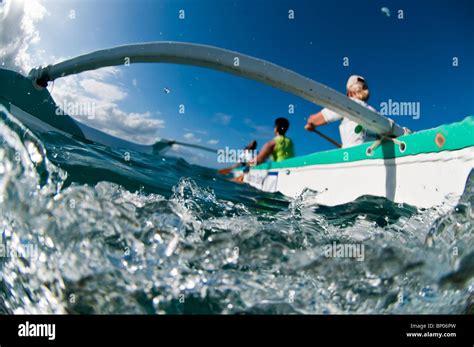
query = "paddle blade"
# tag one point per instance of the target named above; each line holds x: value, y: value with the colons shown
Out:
x: 225, y: 171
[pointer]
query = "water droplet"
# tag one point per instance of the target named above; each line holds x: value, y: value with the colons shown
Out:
x: 34, y: 152
x: 427, y: 292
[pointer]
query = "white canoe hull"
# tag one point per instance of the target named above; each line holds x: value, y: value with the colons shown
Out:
x: 423, y: 180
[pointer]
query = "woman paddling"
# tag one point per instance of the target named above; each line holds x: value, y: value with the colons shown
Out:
x: 280, y: 147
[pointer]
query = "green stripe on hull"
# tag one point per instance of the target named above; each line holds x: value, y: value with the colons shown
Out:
x: 457, y: 136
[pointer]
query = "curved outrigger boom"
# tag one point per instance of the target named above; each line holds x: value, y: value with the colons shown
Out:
x: 226, y: 61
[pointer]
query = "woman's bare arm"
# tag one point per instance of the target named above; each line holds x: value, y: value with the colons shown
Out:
x: 266, y: 151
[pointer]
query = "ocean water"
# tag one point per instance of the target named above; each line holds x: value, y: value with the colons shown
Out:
x: 85, y: 231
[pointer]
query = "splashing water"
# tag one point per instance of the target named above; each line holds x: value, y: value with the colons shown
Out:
x: 83, y: 231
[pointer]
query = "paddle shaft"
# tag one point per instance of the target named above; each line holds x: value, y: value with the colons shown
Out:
x: 337, y: 144
x: 190, y: 145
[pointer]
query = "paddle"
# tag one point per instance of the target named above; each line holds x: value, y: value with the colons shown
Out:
x: 202, y: 148
x: 337, y: 144
x: 162, y: 144
x: 226, y: 170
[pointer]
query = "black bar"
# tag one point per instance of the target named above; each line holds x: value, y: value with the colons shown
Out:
x: 172, y: 330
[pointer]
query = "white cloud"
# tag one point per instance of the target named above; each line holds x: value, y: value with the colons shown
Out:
x: 197, y: 131
x: 191, y: 137
x: 222, y: 118
x: 105, y: 91
x: 19, y: 50
x: 103, y: 73
x: 18, y: 19
x: 108, y: 116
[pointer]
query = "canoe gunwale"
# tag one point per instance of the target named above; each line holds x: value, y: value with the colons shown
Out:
x: 458, y: 135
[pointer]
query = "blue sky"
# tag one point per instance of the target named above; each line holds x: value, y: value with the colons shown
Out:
x: 407, y: 59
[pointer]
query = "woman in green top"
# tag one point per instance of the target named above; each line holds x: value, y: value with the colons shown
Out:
x: 281, y: 147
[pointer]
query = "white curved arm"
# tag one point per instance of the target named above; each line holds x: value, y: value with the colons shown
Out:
x: 226, y: 61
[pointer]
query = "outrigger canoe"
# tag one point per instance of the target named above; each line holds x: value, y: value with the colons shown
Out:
x: 427, y: 168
